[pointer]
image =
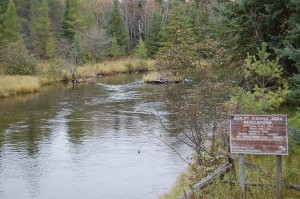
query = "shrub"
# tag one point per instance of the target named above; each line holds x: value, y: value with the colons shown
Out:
x: 17, y: 60
x: 267, y: 90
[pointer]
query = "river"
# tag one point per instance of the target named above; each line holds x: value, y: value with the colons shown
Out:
x: 100, y: 141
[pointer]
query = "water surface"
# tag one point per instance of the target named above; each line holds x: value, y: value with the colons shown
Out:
x: 97, y: 141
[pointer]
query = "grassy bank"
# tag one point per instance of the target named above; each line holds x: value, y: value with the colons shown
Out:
x: 54, y: 71
x: 18, y: 85
x: 112, y: 67
x: 219, y: 189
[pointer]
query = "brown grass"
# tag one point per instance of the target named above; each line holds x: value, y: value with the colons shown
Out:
x: 111, y: 67
x: 16, y: 85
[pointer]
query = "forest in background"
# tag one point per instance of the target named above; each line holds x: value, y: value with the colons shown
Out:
x: 257, y: 43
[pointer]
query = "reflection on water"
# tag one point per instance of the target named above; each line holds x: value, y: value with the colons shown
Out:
x: 96, y: 141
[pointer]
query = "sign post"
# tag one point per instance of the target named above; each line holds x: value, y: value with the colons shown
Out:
x: 242, y: 175
x: 260, y: 134
x: 278, y: 177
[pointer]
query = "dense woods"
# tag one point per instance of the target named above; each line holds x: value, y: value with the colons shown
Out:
x: 177, y: 34
x: 48, y: 28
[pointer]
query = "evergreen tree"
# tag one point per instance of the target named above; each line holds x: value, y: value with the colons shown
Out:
x: 178, y: 50
x: 11, y: 26
x: 242, y: 26
x: 154, y: 38
x: 115, y: 48
x: 71, y: 19
x: 117, y: 28
x: 41, y: 36
x: 141, y: 50
x: 75, y: 19
x: 3, y: 5
x: 196, y: 21
x: 292, y: 39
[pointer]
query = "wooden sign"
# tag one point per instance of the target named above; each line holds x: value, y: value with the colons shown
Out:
x: 259, y: 134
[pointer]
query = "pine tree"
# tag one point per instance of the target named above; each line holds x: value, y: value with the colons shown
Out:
x: 115, y: 48
x: 178, y: 50
x: 292, y: 39
x: 11, y: 26
x: 141, y: 50
x: 75, y: 19
x: 242, y: 26
x: 117, y: 28
x: 71, y: 19
x: 41, y: 36
x: 153, y: 38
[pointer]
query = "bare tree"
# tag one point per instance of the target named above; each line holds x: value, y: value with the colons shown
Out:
x: 96, y: 42
x: 200, y: 117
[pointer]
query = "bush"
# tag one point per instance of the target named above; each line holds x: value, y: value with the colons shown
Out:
x: 294, y: 96
x: 267, y: 89
x: 52, y: 70
x: 17, y: 60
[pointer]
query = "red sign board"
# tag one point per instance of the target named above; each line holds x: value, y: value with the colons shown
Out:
x: 259, y: 134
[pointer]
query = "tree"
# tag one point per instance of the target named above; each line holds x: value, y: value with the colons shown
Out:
x: 41, y: 37
x: 96, y: 42
x: 117, y: 28
x: 291, y: 50
x: 17, y: 60
x: 266, y: 90
x: 11, y: 27
x: 115, y: 48
x: 70, y: 19
x: 141, y: 51
x: 241, y: 26
x: 178, y: 50
x: 153, y: 37
x: 75, y: 19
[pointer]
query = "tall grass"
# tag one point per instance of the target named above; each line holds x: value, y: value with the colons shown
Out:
x: 110, y: 67
x: 15, y: 85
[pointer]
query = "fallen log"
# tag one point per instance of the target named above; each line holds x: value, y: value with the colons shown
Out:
x: 221, y: 170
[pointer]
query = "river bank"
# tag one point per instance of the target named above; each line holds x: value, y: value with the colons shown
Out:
x: 50, y: 73
x: 220, y: 189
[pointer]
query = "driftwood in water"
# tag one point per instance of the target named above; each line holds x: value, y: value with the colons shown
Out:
x: 264, y: 172
x: 221, y: 170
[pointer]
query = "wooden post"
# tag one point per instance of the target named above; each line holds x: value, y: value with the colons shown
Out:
x: 242, y: 176
x: 278, y: 177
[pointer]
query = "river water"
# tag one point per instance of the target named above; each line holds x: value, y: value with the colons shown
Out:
x: 98, y: 141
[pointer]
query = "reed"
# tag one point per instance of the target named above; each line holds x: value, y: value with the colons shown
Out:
x: 16, y: 85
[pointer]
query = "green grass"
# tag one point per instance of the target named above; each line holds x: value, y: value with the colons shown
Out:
x: 16, y: 85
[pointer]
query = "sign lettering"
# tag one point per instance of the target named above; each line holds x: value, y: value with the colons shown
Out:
x: 259, y: 134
